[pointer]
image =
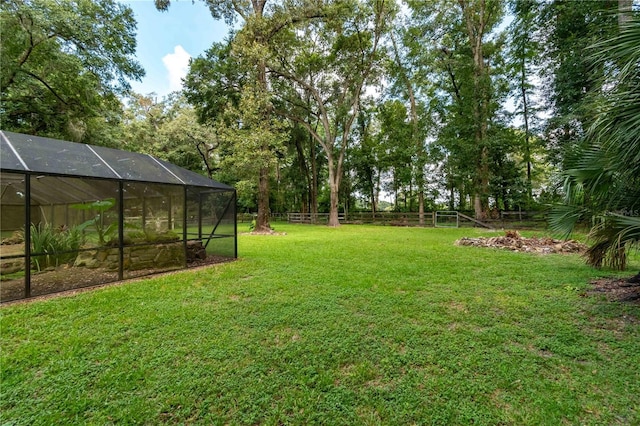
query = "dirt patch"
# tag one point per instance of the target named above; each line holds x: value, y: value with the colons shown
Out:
x: 70, y: 280
x: 512, y: 240
x: 617, y: 289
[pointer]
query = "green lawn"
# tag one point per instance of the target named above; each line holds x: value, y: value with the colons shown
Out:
x: 356, y: 325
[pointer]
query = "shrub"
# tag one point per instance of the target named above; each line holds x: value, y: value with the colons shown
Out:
x: 54, y: 247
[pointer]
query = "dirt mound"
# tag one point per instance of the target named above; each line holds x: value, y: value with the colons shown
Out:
x: 512, y: 240
x: 617, y: 289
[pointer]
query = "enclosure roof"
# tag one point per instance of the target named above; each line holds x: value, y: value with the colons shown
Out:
x: 26, y: 153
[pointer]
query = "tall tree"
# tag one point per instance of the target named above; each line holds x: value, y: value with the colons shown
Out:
x: 169, y: 129
x: 63, y: 65
x: 260, y: 20
x: 366, y: 157
x: 394, y: 139
x: 524, y: 50
x: 408, y: 83
x: 143, y: 116
x: 479, y: 18
x: 304, y: 170
x: 250, y: 43
x: 570, y: 73
x: 329, y: 62
x: 461, y: 48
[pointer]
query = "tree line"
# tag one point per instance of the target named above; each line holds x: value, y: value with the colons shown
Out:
x: 330, y: 105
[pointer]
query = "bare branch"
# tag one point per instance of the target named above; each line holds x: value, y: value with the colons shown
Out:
x: 45, y: 84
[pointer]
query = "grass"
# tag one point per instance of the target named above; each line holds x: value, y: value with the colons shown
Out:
x: 357, y: 325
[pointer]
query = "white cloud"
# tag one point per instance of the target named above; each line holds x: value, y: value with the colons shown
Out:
x: 177, y: 64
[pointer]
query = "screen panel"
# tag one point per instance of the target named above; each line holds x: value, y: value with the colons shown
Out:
x: 47, y: 155
x: 135, y: 166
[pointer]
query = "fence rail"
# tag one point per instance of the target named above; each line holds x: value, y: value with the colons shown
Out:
x: 392, y: 218
x: 316, y: 218
x: 514, y: 220
x: 249, y: 217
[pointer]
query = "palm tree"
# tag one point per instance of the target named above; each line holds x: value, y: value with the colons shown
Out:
x: 604, y: 184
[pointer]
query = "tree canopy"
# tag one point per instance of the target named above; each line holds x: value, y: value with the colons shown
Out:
x: 328, y: 106
x: 64, y: 64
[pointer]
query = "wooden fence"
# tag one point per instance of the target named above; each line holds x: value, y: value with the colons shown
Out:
x: 515, y: 220
x: 503, y: 220
x: 315, y: 218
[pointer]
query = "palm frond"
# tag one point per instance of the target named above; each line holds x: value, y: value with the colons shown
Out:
x: 605, y: 176
x: 564, y: 218
x: 614, y: 235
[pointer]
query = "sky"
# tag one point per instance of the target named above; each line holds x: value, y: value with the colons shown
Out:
x: 166, y: 41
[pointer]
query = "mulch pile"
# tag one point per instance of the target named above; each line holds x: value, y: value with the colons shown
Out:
x: 512, y: 240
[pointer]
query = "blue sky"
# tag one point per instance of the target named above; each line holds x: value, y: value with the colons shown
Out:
x: 166, y: 41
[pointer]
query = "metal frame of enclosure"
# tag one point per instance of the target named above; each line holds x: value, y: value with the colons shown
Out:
x: 74, y: 215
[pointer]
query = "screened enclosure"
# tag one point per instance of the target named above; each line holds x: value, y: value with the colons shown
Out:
x: 74, y: 215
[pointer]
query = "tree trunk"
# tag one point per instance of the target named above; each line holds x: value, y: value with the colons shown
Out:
x: 334, y: 186
x: 262, y: 221
x: 377, y: 190
x: 625, y: 8
x: 372, y: 193
x: 463, y: 192
x: 477, y: 207
x: 395, y: 191
x: 415, y: 133
x: 314, y: 180
x: 452, y: 197
x: 304, y: 169
x: 481, y: 84
x: 481, y: 190
x: 527, y: 147
x: 408, y: 195
x: 421, y: 208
